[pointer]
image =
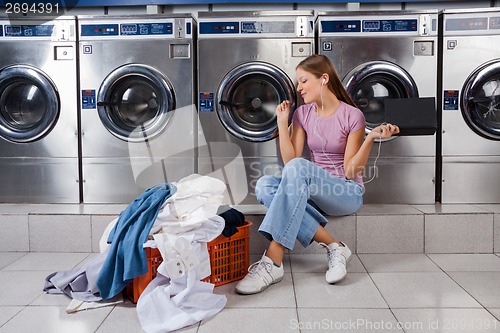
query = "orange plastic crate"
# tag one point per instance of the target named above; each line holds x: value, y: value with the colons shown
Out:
x: 229, y: 261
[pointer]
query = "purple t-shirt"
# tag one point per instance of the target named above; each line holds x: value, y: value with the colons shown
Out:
x: 327, y: 136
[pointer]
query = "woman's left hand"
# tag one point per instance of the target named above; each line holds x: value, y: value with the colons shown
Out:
x: 384, y: 131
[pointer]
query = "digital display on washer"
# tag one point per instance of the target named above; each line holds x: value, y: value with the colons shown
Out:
x: 389, y: 25
x: 1, y: 30
x: 462, y: 24
x: 341, y: 26
x: 216, y: 28
x: 99, y: 30
x: 28, y: 30
x: 494, y: 22
x: 143, y: 29
x: 268, y: 27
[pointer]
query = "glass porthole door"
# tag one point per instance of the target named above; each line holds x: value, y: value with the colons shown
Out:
x: 247, y: 99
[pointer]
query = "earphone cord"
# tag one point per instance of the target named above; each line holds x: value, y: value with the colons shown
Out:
x: 376, y: 159
x: 326, y: 142
x: 323, y: 147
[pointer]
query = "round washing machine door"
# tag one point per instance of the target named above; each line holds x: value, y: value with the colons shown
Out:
x: 369, y: 84
x: 480, y: 101
x: 247, y: 99
x: 29, y: 104
x: 134, y: 102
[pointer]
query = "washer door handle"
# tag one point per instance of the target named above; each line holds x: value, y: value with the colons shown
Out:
x: 238, y: 105
x: 106, y: 104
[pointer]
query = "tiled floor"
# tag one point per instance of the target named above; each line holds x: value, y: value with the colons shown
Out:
x: 382, y: 293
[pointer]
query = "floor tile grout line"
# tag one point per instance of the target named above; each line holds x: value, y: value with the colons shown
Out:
x: 15, y: 315
x: 105, y: 318
x: 458, y: 284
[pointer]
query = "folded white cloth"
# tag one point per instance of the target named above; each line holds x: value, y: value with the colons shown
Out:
x: 177, y: 298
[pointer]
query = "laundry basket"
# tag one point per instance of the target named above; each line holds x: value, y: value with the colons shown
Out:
x: 229, y: 261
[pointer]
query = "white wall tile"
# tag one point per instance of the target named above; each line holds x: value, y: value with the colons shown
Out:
x: 341, y: 228
x: 451, y: 209
x: 390, y: 234
x: 387, y: 209
x: 15, y: 234
x: 258, y: 243
x: 459, y: 233
x: 496, y: 233
x: 98, y: 225
x: 60, y: 233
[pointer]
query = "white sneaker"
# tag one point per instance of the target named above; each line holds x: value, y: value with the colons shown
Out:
x: 338, y: 257
x: 260, y: 275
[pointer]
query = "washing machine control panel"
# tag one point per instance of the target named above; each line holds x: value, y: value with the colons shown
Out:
x: 369, y: 25
x: 389, y: 25
x: 99, y: 30
x: 267, y: 27
x: 284, y: 27
x: 416, y: 25
x: 56, y: 30
x: 471, y: 24
x: 182, y: 28
x: 210, y: 28
x: 28, y: 30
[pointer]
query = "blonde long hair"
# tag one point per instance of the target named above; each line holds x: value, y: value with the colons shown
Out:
x: 317, y: 64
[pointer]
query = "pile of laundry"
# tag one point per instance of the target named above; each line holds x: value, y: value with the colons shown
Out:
x: 177, y: 218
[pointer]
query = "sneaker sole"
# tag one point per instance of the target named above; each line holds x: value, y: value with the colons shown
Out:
x: 338, y: 280
x: 242, y: 292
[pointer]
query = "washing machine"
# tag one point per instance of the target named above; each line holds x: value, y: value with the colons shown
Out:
x: 137, y: 106
x: 470, y: 99
x: 388, y: 55
x: 38, y: 111
x: 246, y: 67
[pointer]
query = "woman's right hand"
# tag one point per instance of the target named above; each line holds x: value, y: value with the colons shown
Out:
x: 283, y: 112
x: 383, y: 131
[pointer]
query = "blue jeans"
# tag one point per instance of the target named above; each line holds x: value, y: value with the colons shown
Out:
x: 297, y: 200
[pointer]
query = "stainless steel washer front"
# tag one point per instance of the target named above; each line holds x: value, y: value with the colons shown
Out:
x: 380, y: 55
x: 137, y: 103
x: 39, y: 161
x: 469, y: 101
x: 246, y: 67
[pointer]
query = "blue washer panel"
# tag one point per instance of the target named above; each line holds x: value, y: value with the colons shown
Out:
x: 99, y: 30
x: 450, y: 101
x: 144, y: 29
x: 207, y: 103
x: 28, y: 30
x: 1, y: 30
x: 211, y: 28
x: 341, y: 26
x: 389, y: 25
x: 88, y: 99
